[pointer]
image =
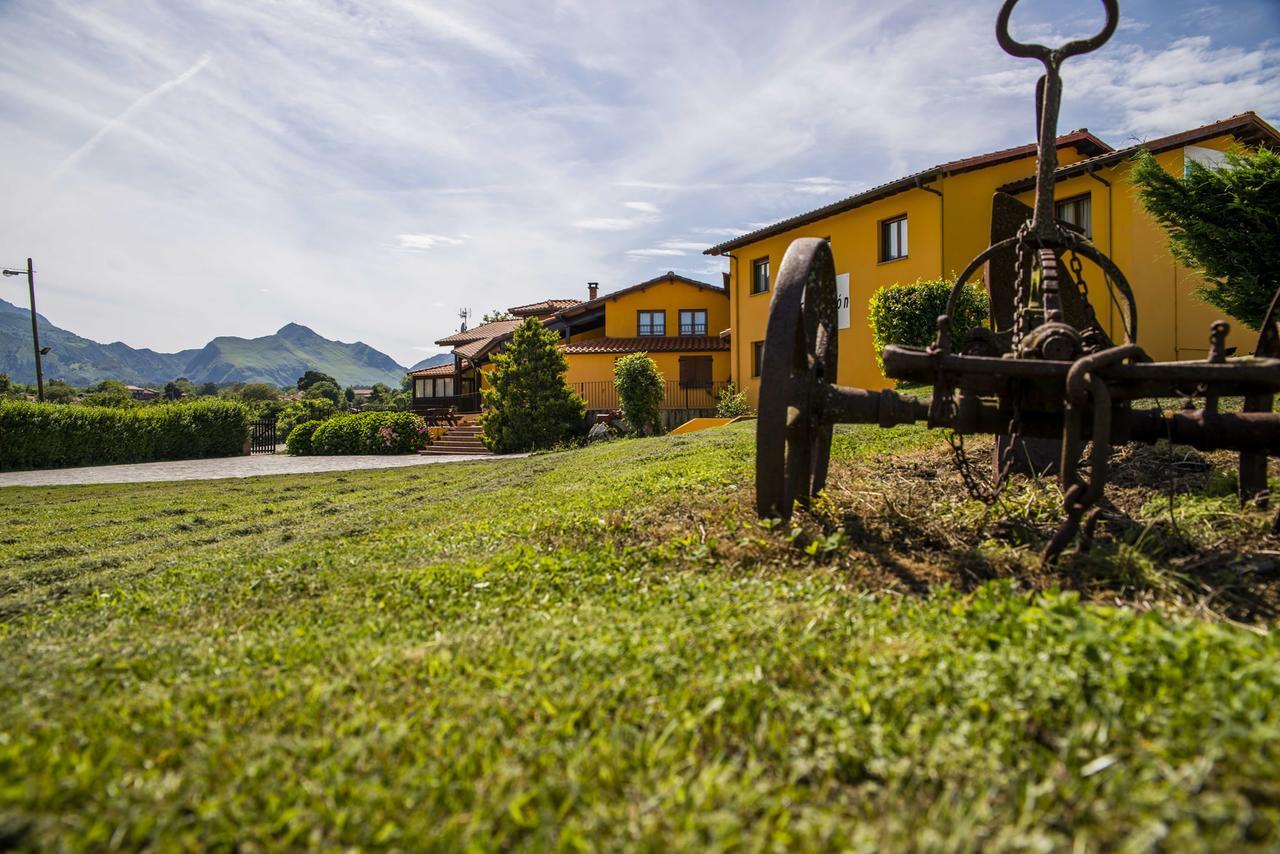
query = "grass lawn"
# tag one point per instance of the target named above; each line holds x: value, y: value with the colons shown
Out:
x: 603, y: 648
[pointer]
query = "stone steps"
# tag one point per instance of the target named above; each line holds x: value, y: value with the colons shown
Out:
x: 464, y: 439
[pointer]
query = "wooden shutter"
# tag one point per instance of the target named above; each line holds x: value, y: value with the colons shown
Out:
x: 695, y: 372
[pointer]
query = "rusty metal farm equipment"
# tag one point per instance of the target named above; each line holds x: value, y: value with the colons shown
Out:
x: 1050, y: 373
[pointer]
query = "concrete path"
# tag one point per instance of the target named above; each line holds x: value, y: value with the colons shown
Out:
x: 225, y: 467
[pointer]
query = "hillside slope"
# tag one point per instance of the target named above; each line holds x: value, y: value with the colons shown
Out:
x: 278, y: 359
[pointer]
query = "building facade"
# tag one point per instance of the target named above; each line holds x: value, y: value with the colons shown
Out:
x: 931, y: 224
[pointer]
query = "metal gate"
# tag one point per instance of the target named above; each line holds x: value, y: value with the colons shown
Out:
x: 262, y: 438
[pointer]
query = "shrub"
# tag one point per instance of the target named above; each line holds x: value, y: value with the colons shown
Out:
x: 299, y: 411
x: 907, y: 315
x: 529, y: 406
x: 1222, y: 222
x: 640, y: 387
x: 363, y: 433
x: 298, y: 441
x: 42, y: 435
x: 733, y: 403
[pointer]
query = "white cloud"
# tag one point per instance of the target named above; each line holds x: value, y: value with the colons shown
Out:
x: 337, y: 155
x: 423, y: 242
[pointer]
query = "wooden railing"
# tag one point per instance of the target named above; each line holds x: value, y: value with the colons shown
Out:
x: 602, y: 395
x: 463, y: 403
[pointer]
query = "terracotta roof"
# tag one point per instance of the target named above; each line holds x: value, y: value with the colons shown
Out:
x: 446, y: 370
x: 650, y: 344
x: 1247, y: 127
x: 1083, y: 141
x: 669, y: 276
x: 547, y: 306
x: 483, y: 331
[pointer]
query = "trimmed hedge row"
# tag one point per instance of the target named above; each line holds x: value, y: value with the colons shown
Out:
x: 907, y: 315
x: 361, y: 433
x: 49, y: 435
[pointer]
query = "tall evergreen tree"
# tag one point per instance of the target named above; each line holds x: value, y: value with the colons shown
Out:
x: 1224, y: 222
x: 529, y: 406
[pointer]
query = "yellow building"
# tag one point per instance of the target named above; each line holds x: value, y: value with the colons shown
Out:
x: 457, y: 384
x: 676, y: 320
x: 1097, y: 196
x: 931, y: 224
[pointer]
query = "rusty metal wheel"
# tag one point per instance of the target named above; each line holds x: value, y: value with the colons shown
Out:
x: 793, y: 436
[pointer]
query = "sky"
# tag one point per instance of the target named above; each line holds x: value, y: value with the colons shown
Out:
x: 182, y: 169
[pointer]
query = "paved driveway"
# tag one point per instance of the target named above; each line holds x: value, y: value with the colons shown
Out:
x: 226, y: 467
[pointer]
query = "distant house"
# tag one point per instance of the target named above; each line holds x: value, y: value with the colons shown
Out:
x: 362, y: 394
x: 459, y: 384
x: 143, y: 394
x: 678, y: 321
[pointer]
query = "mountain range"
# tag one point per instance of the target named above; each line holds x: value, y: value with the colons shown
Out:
x: 278, y: 359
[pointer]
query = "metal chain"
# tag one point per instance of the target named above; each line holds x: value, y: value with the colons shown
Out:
x: 968, y: 472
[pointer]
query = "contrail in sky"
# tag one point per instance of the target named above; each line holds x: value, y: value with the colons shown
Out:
x: 133, y: 109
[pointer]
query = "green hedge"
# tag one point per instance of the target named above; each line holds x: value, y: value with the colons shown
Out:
x: 298, y: 440
x: 365, y: 433
x: 908, y: 314
x: 49, y: 435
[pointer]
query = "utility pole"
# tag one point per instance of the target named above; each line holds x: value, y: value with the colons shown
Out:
x: 35, y: 331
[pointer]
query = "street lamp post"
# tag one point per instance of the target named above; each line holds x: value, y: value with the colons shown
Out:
x: 35, y: 331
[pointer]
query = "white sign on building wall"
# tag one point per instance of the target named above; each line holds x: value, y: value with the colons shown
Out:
x: 842, y: 300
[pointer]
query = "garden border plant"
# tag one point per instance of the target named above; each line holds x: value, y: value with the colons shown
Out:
x: 49, y: 435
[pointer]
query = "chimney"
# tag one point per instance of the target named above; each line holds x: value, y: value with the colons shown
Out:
x: 593, y: 288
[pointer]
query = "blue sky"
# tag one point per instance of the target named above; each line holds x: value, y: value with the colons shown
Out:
x: 181, y: 170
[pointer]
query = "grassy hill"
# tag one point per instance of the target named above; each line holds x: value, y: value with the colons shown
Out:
x: 604, y: 648
x: 278, y: 359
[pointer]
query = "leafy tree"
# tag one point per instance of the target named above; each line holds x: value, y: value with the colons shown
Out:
x: 209, y: 389
x: 299, y: 411
x: 406, y: 384
x: 109, y: 393
x: 259, y: 392
x: 349, y: 395
x: 6, y: 386
x: 529, y: 406
x: 186, y: 387
x: 496, y: 315
x: 58, y: 391
x: 310, y: 378
x: 172, y: 392
x: 640, y: 389
x: 326, y: 389
x: 1224, y: 222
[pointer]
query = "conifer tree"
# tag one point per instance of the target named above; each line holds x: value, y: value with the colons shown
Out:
x: 1224, y: 222
x: 528, y: 405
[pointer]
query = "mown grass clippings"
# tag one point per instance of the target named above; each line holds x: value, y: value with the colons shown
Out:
x: 604, y: 648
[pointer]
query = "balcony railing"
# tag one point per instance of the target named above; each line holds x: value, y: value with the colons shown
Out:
x: 602, y: 395
x: 463, y: 403
x: 693, y: 329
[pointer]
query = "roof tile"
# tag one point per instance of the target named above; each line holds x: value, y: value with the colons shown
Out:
x: 650, y: 344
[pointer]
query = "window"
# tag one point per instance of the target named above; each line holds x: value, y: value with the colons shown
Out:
x: 652, y: 323
x: 757, y: 358
x: 1076, y: 214
x: 760, y: 276
x: 693, y: 321
x: 695, y: 372
x: 893, y: 239
x: 433, y: 387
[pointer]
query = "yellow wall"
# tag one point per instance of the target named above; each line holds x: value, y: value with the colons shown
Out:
x: 620, y: 316
x: 1172, y: 322
x: 943, y: 235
